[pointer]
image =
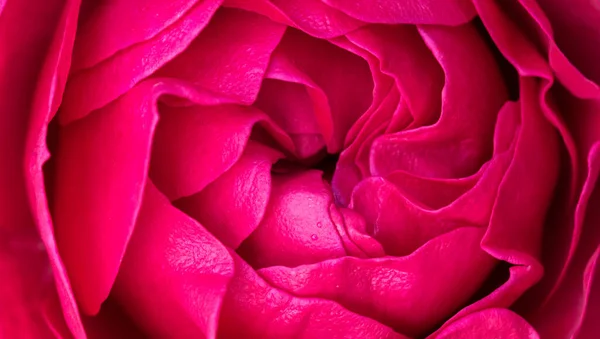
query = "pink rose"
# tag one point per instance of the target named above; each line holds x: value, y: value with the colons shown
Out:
x: 300, y: 169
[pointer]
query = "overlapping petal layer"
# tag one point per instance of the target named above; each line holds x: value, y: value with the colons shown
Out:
x: 190, y: 185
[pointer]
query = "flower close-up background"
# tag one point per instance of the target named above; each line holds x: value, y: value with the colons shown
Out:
x: 299, y: 169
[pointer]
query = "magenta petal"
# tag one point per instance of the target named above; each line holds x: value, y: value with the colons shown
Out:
x: 404, y: 56
x: 108, y: 28
x: 533, y: 173
x: 296, y: 228
x: 290, y: 105
x: 50, y: 84
x: 316, y: 18
x: 101, y: 167
x: 93, y: 88
x: 194, y: 145
x: 230, y: 56
x: 575, y: 25
x: 263, y: 7
x: 349, y: 94
x: 489, y: 323
x: 353, y: 164
x: 402, y: 225
x: 563, y: 313
x: 589, y: 326
x: 529, y: 62
x: 30, y: 305
x: 175, y: 273
x: 402, y: 292
x: 571, y: 28
x: 232, y: 206
x: 254, y: 309
x: 458, y: 143
x: 440, y: 12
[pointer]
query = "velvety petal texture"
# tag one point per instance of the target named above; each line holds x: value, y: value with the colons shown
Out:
x: 167, y: 281
x: 299, y: 169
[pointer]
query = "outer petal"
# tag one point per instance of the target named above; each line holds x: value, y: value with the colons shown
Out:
x: 254, y: 309
x: 404, y: 293
x: 564, y: 312
x: 101, y: 167
x: 28, y: 298
x: 589, y: 326
x: 175, y: 274
x: 93, y: 88
x: 524, y: 55
x: 108, y: 30
x: 32, y: 55
x: 575, y: 24
x: 515, y: 230
x: 567, y: 29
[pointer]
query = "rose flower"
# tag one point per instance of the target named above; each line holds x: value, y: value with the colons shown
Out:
x: 300, y: 169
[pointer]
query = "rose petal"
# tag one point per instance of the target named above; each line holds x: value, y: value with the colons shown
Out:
x: 296, y: 228
x: 402, y: 226
x: 194, y: 145
x: 578, y: 20
x: 28, y: 294
x: 349, y: 93
x: 402, y: 223
x: 404, y: 292
x: 457, y: 144
x: 515, y: 230
x: 50, y: 83
x: 574, y: 25
x: 262, y: 7
x: 562, y: 314
x: 382, y: 83
x: 252, y: 308
x: 352, y: 229
x: 108, y: 29
x: 404, y: 56
x: 232, y: 206
x: 93, y: 88
x: 439, y: 12
x: 589, y: 326
x: 489, y: 323
x: 230, y: 56
x: 352, y: 166
x: 291, y: 99
x: 101, y: 167
x: 527, y: 60
x: 533, y: 173
x: 175, y: 274
x: 316, y: 18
